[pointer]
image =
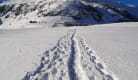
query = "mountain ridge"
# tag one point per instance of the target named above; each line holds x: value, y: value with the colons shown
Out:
x: 76, y: 11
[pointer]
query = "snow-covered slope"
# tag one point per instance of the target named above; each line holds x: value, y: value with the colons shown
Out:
x: 25, y: 1
x: 99, y: 52
x: 20, y: 12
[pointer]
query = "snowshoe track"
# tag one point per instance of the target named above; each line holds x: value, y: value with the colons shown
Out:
x: 70, y: 59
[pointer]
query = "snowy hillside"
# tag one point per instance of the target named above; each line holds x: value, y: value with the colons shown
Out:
x: 99, y: 52
x: 51, y: 51
x: 21, y: 13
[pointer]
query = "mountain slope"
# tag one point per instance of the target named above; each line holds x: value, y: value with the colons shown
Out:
x: 19, y: 12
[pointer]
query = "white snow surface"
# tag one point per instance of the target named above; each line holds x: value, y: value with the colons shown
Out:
x: 97, y: 52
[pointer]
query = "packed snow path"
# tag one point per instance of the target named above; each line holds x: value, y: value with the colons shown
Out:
x: 70, y: 59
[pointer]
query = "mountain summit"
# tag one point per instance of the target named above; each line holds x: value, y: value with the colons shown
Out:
x: 22, y: 12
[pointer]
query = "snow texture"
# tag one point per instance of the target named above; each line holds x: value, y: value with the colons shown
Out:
x: 52, y: 62
x: 99, y: 52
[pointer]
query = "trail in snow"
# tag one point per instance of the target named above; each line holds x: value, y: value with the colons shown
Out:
x: 70, y: 59
x: 76, y: 71
x: 96, y: 69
